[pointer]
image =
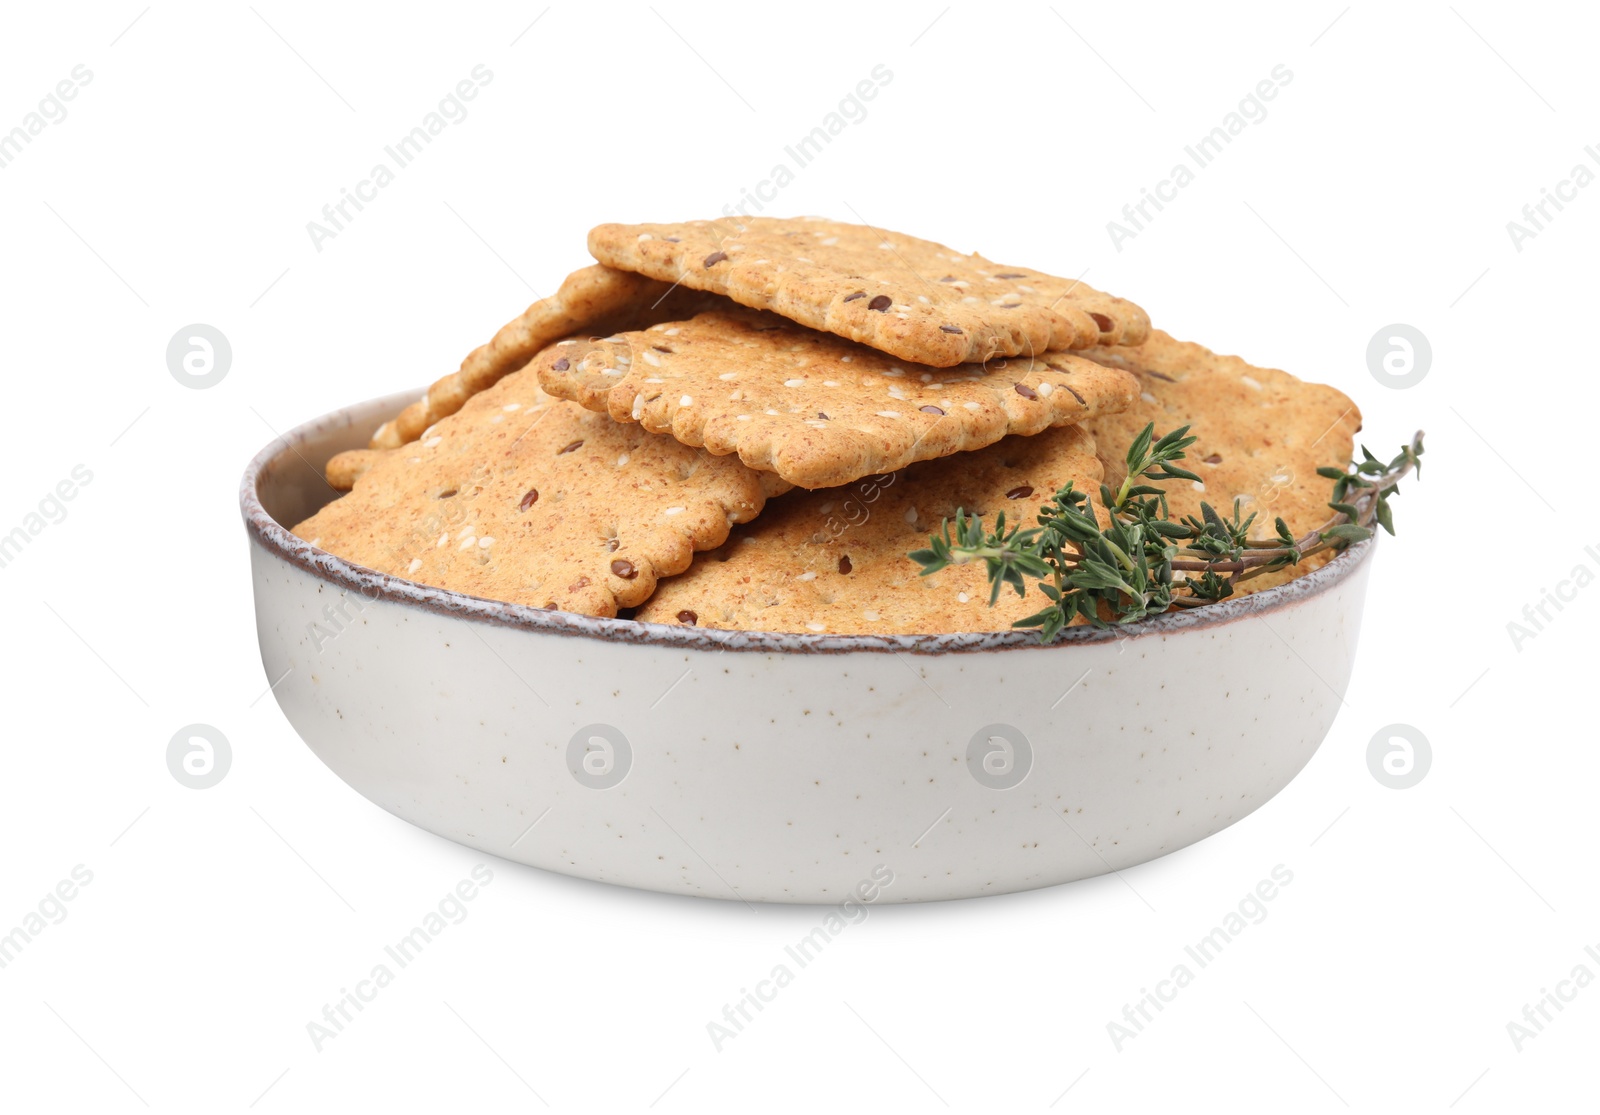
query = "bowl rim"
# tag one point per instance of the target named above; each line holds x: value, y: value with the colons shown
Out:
x: 275, y: 539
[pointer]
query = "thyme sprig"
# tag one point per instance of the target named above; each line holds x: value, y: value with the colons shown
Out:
x: 1142, y: 562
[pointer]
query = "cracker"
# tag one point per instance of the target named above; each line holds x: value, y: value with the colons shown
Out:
x: 818, y: 410
x: 344, y: 469
x: 594, y: 299
x: 1262, y: 435
x: 525, y: 498
x: 911, y: 298
x: 835, y: 560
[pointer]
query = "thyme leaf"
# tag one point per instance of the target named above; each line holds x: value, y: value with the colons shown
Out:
x: 1130, y: 559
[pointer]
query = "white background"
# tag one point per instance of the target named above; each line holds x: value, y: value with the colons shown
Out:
x: 1377, y: 190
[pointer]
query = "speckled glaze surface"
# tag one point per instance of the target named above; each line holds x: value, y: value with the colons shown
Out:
x: 784, y: 768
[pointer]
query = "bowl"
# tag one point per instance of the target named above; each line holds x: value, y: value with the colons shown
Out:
x: 770, y: 767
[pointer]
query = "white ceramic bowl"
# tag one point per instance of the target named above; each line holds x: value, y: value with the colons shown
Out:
x: 784, y: 768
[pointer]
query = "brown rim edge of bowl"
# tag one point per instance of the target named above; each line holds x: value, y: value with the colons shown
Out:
x: 275, y: 538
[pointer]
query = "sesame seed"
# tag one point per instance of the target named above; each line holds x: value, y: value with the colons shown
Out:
x: 846, y: 359
x: 638, y: 407
x: 431, y: 442
x: 686, y: 401
x: 512, y: 406
x: 485, y: 542
x: 794, y: 383
x: 674, y: 331
x: 416, y: 564
x: 963, y: 597
x: 808, y: 576
x: 816, y: 627
x: 646, y: 236
x: 869, y: 614
x: 1046, y: 390
x: 888, y: 414
x: 829, y: 242
x: 972, y: 406
x: 675, y: 511
x: 652, y: 359
x: 468, y: 542
x: 1248, y: 381
x: 911, y: 514
x: 742, y: 418
x: 443, y: 538
x: 622, y: 460
x: 1147, y: 397
x: 729, y: 375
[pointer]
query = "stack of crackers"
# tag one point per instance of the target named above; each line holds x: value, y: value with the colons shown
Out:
x: 750, y: 424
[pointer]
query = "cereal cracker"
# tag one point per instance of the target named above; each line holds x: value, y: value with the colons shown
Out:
x: 818, y: 410
x: 914, y: 299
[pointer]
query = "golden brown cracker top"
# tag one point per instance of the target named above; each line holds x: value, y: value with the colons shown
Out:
x: 835, y: 560
x: 914, y: 299
x: 818, y: 410
x: 525, y: 498
x: 1262, y: 432
x: 592, y: 299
